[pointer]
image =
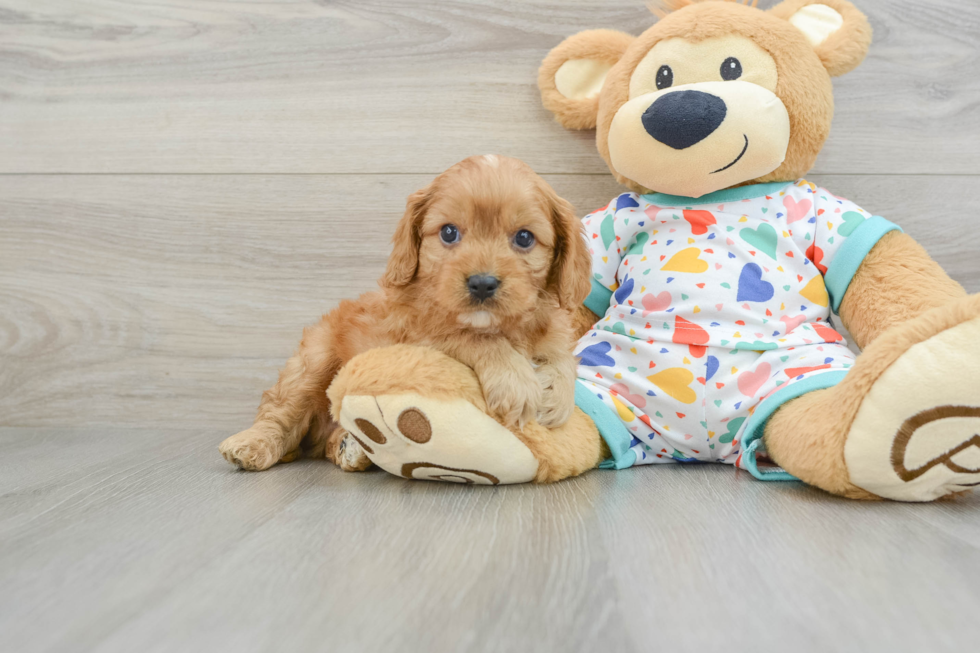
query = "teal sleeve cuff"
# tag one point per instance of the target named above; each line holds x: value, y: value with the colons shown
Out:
x: 756, y: 426
x: 851, y: 254
x: 598, y: 299
x: 610, y: 427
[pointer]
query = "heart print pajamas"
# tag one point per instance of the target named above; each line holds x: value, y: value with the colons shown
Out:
x: 713, y: 313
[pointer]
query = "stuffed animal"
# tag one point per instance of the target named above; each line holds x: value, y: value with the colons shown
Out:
x: 708, y: 333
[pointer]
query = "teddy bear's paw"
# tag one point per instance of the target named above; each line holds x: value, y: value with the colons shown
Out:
x: 916, y: 436
x: 418, y: 437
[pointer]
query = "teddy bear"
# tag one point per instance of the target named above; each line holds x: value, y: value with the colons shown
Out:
x: 709, y: 332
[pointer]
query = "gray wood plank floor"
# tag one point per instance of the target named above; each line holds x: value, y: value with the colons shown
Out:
x: 143, y: 540
x: 185, y: 184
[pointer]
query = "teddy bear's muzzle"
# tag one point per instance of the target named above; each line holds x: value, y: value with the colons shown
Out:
x: 697, y: 138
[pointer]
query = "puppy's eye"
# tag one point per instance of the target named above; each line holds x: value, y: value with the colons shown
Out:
x: 731, y: 69
x: 449, y: 234
x: 524, y: 239
x: 665, y: 78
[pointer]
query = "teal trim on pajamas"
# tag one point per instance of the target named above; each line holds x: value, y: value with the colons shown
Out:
x: 851, y: 254
x: 611, y: 428
x: 720, y: 196
x: 598, y: 299
x: 756, y: 426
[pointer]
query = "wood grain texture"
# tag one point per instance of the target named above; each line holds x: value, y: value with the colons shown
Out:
x: 173, y: 300
x: 145, y: 540
x: 384, y: 86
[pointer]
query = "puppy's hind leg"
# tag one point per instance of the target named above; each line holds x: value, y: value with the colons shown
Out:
x: 288, y: 408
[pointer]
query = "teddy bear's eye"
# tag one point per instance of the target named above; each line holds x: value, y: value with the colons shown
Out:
x: 665, y: 78
x: 731, y: 69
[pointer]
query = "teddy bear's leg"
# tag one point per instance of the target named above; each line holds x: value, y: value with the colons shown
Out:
x: 418, y: 413
x: 903, y: 424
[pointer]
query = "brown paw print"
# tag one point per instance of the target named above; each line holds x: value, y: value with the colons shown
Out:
x: 413, y: 425
x: 968, y: 451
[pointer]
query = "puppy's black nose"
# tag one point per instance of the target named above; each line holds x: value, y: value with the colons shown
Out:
x: 684, y: 118
x: 482, y: 286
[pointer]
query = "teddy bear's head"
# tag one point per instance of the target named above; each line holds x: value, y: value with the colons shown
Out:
x: 715, y: 94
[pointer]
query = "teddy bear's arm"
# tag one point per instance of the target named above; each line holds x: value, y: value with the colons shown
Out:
x: 610, y: 240
x: 897, y: 281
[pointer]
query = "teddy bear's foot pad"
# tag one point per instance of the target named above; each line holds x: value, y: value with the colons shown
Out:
x: 418, y: 437
x: 916, y: 436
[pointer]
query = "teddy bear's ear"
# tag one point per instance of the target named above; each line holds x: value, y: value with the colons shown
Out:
x: 837, y: 30
x: 572, y: 75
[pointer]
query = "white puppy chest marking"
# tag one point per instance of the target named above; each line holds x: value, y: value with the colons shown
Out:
x: 477, y: 320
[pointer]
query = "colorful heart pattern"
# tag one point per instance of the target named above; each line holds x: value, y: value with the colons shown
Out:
x: 751, y: 287
x: 750, y: 382
x: 624, y: 291
x: 655, y: 303
x: 816, y: 292
x: 597, y: 355
x: 699, y: 221
x: 686, y: 260
x: 712, y: 308
x: 623, y: 391
x: 796, y: 210
x: 791, y: 323
x: 763, y: 238
x: 676, y: 383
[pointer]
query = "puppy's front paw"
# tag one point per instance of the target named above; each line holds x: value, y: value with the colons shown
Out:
x: 513, y: 396
x: 252, y: 449
x: 557, y: 396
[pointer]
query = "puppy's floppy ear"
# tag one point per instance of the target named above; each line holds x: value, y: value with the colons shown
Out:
x: 572, y: 75
x: 404, y: 259
x: 837, y: 30
x: 571, y: 266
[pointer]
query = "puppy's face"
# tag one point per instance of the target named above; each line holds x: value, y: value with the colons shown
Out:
x: 490, y: 239
x: 487, y: 245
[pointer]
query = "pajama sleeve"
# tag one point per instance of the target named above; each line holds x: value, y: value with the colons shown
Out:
x: 611, y: 232
x: 842, y: 236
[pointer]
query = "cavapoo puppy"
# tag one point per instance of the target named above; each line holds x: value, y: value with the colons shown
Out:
x: 489, y: 266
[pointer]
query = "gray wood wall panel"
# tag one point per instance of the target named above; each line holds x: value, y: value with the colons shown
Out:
x: 413, y: 86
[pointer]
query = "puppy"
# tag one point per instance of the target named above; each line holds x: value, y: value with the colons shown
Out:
x: 489, y: 266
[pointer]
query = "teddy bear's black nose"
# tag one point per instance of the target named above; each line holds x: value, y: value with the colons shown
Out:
x: 684, y: 118
x: 482, y: 286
